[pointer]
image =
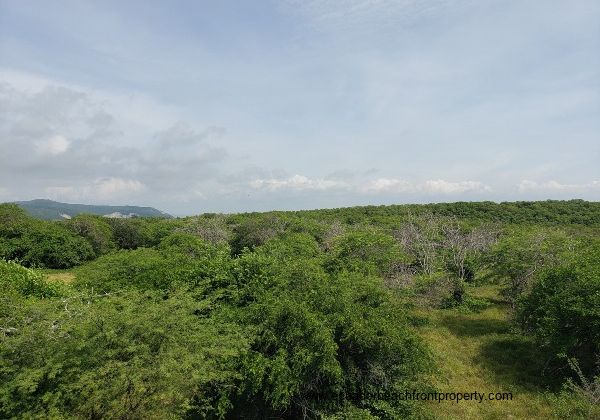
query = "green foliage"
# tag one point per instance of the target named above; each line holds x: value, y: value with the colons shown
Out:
x: 96, y: 230
x: 563, y: 309
x: 284, y: 314
x: 255, y: 231
x: 180, y: 259
x: 13, y: 220
x: 130, y: 233
x: 468, y: 304
x: 38, y: 243
x: 26, y: 281
x: 292, y: 246
x: 131, y: 356
x: 52, y: 245
x: 142, y: 268
x: 321, y: 341
x: 524, y: 251
x: 293, y: 356
x: 366, y: 252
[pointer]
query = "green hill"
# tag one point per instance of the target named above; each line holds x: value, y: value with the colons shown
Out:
x: 53, y: 210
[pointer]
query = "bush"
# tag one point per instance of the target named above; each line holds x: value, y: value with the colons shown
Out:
x: 13, y: 220
x: 292, y: 246
x: 96, y: 230
x: 39, y: 243
x: 320, y: 342
x: 53, y: 245
x: 128, y: 233
x: 523, y: 252
x: 26, y: 281
x: 181, y: 259
x: 254, y: 232
x: 131, y: 356
x: 210, y: 228
x: 562, y: 311
x: 365, y: 252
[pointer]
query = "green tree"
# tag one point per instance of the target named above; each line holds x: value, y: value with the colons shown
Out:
x: 524, y: 251
x: 562, y: 311
x: 96, y: 230
x: 116, y: 357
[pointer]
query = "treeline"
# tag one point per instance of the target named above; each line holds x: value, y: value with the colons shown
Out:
x: 281, y: 314
x: 550, y: 212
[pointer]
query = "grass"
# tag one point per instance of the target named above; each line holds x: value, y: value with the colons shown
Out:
x: 64, y: 276
x: 479, y: 352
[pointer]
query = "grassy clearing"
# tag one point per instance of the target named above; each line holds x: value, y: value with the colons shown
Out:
x: 64, y: 276
x: 478, y: 352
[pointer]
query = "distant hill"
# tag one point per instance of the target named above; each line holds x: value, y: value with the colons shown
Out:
x: 53, y: 210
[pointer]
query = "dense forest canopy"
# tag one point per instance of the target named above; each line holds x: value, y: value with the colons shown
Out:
x: 307, y: 314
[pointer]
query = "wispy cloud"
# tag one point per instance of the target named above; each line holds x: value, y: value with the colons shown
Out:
x: 379, y: 185
x: 436, y: 186
x: 101, y: 189
x: 298, y: 183
x: 344, y: 13
x: 554, y: 186
x: 54, y: 145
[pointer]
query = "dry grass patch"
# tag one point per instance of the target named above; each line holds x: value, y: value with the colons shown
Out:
x: 62, y: 276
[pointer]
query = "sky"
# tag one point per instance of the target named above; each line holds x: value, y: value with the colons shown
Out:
x: 228, y: 106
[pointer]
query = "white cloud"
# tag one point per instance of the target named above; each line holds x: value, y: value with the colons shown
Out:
x: 298, y: 183
x: 106, y: 189
x: 445, y: 187
x: 117, y: 186
x: 386, y: 184
x: 439, y: 186
x: 380, y: 185
x: 53, y: 146
x: 554, y: 186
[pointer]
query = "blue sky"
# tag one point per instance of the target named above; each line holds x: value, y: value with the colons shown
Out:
x: 195, y: 106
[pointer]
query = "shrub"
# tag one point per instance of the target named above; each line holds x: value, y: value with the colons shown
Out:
x: 525, y: 251
x: 53, y: 245
x: 211, y: 228
x: 181, y: 259
x: 562, y: 311
x: 130, y: 233
x: 26, y: 281
x: 96, y: 230
x: 365, y: 252
x: 255, y: 231
x: 13, y: 220
x: 321, y: 342
x: 39, y: 243
x: 292, y: 246
x: 132, y: 356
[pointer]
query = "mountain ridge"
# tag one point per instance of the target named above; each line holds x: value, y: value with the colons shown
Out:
x: 53, y: 210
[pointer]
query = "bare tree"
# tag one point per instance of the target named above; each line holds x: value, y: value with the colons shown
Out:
x: 460, y: 244
x: 336, y: 229
x: 213, y: 229
x: 420, y: 238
